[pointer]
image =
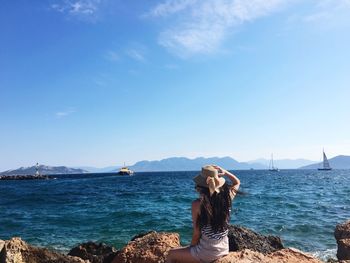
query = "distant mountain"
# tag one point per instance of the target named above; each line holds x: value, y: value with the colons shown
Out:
x: 91, y: 169
x: 186, y: 164
x: 43, y: 169
x: 285, y: 163
x: 338, y: 162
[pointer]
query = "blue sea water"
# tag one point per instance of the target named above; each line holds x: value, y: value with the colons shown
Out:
x: 301, y: 206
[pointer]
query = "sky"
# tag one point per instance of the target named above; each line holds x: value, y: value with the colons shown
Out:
x: 103, y: 82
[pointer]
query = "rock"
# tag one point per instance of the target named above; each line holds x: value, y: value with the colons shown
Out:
x: 242, y: 238
x: 17, y: 251
x: 12, y: 250
x: 342, y: 230
x: 287, y: 255
x: 2, y: 244
x: 141, y: 235
x: 149, y: 248
x: 343, y: 252
x: 342, y: 235
x: 332, y: 260
x: 96, y: 253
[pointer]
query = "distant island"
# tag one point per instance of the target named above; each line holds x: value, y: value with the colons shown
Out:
x: 44, y: 169
x: 186, y: 164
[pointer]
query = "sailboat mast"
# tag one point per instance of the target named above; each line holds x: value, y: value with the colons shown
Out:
x: 272, y: 165
x: 323, y: 156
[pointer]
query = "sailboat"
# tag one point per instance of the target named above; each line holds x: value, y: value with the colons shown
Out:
x: 272, y: 167
x: 325, y: 164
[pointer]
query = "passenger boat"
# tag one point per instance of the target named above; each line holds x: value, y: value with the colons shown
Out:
x: 125, y: 171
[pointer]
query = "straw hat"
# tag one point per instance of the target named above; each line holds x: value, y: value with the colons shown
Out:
x: 209, y: 178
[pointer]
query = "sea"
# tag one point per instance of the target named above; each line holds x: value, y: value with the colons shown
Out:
x: 301, y: 206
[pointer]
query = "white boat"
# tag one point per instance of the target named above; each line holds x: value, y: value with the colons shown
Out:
x: 325, y: 163
x: 125, y: 171
x: 272, y: 167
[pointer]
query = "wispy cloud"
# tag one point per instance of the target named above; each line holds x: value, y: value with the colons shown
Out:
x: 329, y: 13
x: 81, y: 8
x: 112, y: 56
x: 133, y: 51
x: 170, y: 7
x: 200, y: 27
x: 136, y: 52
x: 64, y: 113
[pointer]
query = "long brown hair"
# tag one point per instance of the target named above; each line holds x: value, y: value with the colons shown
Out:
x: 215, y: 209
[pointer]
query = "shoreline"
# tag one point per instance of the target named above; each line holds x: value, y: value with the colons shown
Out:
x: 245, y: 246
x: 322, y: 255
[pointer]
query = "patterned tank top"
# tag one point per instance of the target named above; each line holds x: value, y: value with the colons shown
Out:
x: 209, y: 232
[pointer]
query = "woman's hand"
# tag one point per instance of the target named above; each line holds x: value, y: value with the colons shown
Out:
x: 221, y: 170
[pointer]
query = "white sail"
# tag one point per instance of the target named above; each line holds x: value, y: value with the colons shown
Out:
x: 325, y: 162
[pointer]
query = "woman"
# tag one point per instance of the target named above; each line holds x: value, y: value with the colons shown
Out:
x: 210, y: 217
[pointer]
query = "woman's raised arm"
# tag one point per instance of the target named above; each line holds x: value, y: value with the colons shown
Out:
x: 235, y: 181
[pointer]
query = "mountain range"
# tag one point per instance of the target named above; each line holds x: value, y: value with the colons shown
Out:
x: 92, y: 169
x: 338, y: 162
x: 186, y: 164
x: 44, y: 169
x: 284, y: 163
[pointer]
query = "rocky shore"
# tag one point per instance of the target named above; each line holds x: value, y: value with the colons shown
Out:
x: 246, y: 246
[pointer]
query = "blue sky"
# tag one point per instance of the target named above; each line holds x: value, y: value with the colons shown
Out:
x: 102, y: 82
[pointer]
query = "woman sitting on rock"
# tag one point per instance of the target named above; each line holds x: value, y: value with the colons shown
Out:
x: 210, y: 216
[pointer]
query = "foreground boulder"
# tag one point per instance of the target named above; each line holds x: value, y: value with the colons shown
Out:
x: 149, y: 248
x: 95, y: 253
x: 2, y: 244
x: 287, y: 255
x: 342, y: 235
x: 241, y: 238
x: 16, y: 250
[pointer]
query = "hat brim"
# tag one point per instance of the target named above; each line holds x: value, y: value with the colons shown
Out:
x: 201, y: 181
